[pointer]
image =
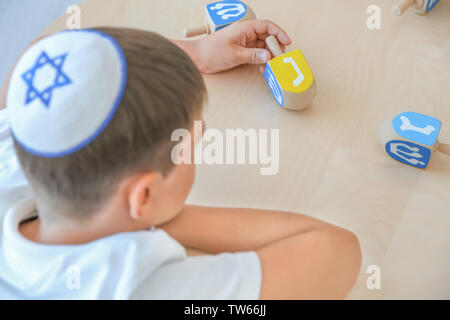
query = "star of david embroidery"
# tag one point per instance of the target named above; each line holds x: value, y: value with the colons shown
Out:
x: 60, y: 79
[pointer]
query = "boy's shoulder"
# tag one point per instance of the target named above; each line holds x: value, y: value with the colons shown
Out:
x: 119, y: 262
x: 147, y: 264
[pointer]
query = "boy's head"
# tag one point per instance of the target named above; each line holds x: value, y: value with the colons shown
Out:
x: 128, y: 160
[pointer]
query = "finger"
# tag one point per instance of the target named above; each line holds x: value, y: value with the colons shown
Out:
x: 266, y: 27
x: 252, y: 55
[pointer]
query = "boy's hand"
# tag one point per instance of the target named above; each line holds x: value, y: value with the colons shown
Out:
x: 239, y: 43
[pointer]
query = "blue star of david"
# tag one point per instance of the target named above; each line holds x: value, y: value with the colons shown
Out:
x: 60, y: 80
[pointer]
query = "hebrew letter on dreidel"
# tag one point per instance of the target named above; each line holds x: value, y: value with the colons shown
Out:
x: 273, y: 85
x: 414, y: 153
x: 300, y: 75
x: 275, y: 90
x: 406, y: 125
x: 225, y: 13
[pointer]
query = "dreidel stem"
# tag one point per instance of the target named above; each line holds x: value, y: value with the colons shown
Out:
x: 195, y: 31
x: 274, y: 46
x: 404, y: 5
x: 444, y: 148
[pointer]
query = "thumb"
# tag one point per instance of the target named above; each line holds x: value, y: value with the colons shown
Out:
x: 253, y: 55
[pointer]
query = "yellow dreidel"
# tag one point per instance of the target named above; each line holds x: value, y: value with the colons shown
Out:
x: 411, y: 138
x: 289, y: 77
x: 421, y: 7
x: 221, y: 14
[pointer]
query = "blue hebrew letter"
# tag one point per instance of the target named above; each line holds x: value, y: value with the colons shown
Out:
x: 409, y: 153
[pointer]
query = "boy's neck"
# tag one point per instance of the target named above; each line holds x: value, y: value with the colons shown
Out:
x: 45, y: 232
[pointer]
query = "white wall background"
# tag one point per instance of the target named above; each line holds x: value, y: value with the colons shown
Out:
x: 20, y: 22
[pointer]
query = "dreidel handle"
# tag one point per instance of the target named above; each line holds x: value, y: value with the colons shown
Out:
x: 404, y: 5
x: 274, y: 46
x: 444, y: 148
x: 195, y: 31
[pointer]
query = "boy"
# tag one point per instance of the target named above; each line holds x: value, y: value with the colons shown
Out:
x: 107, y: 219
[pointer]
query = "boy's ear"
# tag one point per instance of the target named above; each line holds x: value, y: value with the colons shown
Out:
x: 139, y: 195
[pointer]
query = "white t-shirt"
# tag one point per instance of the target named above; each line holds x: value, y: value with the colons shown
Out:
x: 147, y: 264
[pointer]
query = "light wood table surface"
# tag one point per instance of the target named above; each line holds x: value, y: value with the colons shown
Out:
x: 331, y: 164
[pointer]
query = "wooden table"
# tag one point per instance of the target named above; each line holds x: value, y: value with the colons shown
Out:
x: 331, y: 164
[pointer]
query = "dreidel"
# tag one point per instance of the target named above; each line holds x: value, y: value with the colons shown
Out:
x: 289, y: 77
x: 411, y: 138
x: 219, y: 15
x: 421, y: 7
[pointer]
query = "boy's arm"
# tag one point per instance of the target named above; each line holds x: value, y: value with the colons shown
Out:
x: 239, y: 43
x: 217, y: 230
x: 301, y: 257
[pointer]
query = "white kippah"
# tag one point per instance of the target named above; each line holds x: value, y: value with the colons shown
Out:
x: 65, y: 90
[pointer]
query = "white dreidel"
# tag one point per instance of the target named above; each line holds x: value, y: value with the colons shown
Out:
x: 219, y: 15
x: 411, y: 138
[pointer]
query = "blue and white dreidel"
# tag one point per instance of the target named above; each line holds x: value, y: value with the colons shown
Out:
x: 411, y: 138
x: 219, y: 15
x: 289, y: 77
x: 421, y: 7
